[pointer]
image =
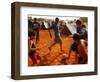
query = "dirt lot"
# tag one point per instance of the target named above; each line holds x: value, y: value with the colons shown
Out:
x: 55, y: 57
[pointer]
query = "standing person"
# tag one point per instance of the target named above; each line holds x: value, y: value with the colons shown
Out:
x: 29, y: 22
x: 80, y: 48
x: 36, y: 28
x: 32, y: 49
x: 57, y: 38
x: 78, y: 27
x: 84, y: 32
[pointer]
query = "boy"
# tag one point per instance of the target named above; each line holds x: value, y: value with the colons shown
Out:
x: 84, y: 33
x: 80, y: 48
x: 36, y: 28
x: 57, y: 38
x: 78, y: 27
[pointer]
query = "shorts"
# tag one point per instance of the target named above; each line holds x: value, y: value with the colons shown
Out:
x: 57, y: 40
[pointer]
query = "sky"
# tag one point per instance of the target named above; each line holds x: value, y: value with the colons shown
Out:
x: 53, y: 17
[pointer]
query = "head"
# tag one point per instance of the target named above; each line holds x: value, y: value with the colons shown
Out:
x: 35, y: 19
x: 31, y: 35
x: 78, y: 22
x: 76, y: 37
x: 56, y: 20
x: 83, y: 26
x: 29, y: 18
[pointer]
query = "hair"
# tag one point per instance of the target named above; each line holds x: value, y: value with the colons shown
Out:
x: 76, y: 36
x: 31, y: 34
x: 35, y: 19
x: 83, y: 26
x: 78, y: 22
x: 56, y: 19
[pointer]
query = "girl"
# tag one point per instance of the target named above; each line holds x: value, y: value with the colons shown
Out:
x: 32, y: 48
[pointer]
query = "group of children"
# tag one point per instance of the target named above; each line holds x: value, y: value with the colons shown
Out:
x: 79, y: 45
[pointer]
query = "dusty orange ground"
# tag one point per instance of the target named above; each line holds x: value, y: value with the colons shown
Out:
x: 55, y: 57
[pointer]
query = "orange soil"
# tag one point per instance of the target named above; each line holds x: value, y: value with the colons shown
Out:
x: 55, y: 56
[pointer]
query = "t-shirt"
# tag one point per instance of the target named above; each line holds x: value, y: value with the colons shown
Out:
x: 29, y: 23
x: 74, y: 47
x: 79, y: 30
x: 56, y: 29
x: 36, y: 25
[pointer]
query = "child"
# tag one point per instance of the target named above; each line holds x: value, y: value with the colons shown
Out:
x: 57, y: 39
x: 84, y: 32
x: 78, y: 26
x: 36, y: 29
x: 80, y: 48
x: 32, y: 48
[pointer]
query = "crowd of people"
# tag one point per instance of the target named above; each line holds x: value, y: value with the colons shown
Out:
x: 79, y: 45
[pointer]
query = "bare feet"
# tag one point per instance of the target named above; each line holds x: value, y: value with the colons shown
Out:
x: 49, y: 48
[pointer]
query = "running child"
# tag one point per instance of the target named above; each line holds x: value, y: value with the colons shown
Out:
x: 80, y: 48
x: 32, y: 50
x: 57, y: 39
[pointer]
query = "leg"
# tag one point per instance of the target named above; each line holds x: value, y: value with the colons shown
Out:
x: 61, y: 46
x: 37, y: 36
x: 38, y: 57
x: 85, y: 59
x: 52, y: 45
x: 33, y: 59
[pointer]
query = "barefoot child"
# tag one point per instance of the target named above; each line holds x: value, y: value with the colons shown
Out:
x: 80, y: 48
x: 57, y: 39
x: 32, y: 48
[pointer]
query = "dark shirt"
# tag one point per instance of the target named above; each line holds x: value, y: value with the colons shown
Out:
x: 56, y: 29
x: 29, y: 23
x: 32, y: 52
x: 79, y: 30
x: 74, y: 47
x: 36, y: 25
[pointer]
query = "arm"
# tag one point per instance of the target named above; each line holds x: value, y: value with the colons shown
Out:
x: 69, y: 53
x: 49, y: 31
x: 30, y: 47
x: 85, y: 47
x: 33, y: 49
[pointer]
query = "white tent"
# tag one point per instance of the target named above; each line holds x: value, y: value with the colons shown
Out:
x: 72, y: 28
